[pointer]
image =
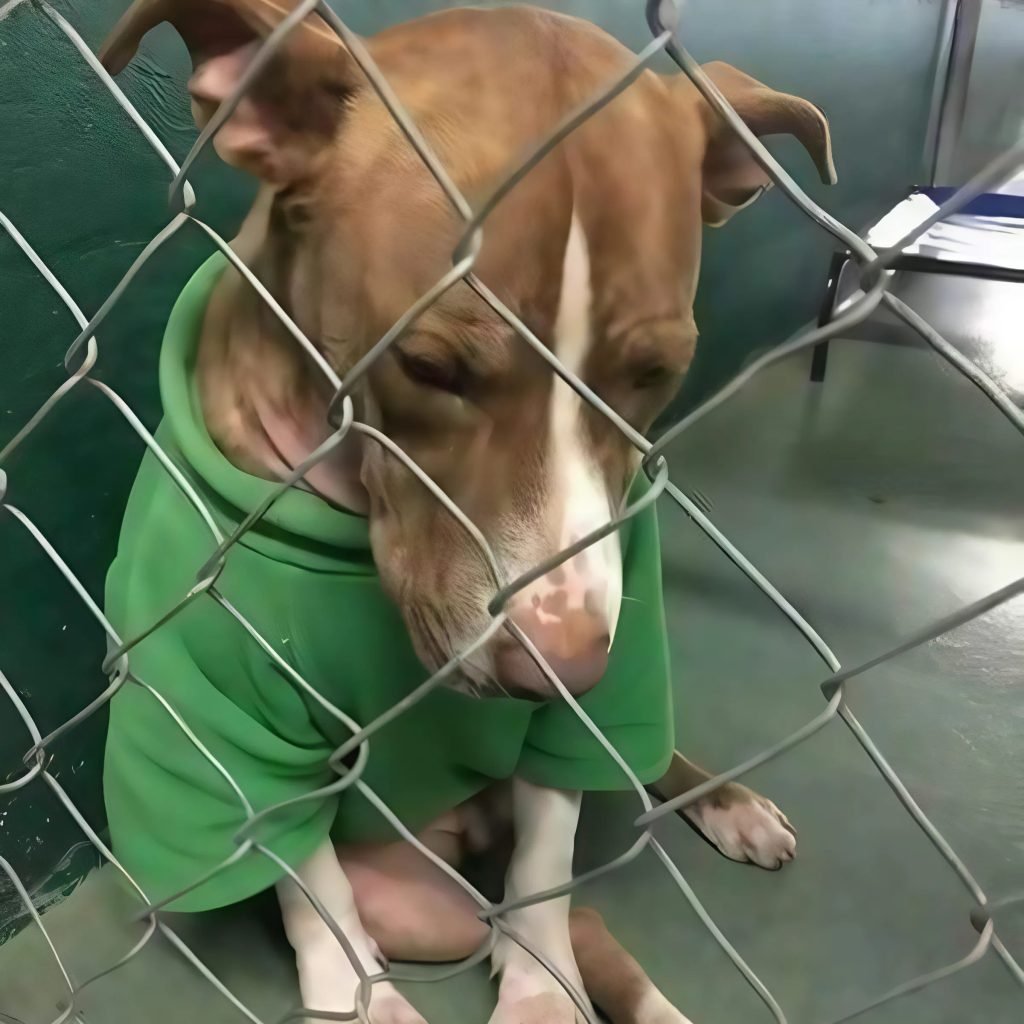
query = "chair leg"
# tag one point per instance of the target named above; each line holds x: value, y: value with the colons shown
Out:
x: 819, y: 360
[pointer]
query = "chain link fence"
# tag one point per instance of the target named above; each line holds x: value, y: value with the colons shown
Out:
x: 663, y: 19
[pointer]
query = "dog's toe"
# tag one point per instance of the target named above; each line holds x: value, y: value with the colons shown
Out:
x: 747, y: 827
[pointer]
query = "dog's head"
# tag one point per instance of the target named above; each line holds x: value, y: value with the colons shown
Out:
x: 597, y: 250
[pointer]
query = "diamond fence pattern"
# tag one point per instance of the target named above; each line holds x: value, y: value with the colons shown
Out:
x: 663, y: 19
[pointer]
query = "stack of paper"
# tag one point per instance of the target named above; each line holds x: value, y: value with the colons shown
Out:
x: 962, y: 238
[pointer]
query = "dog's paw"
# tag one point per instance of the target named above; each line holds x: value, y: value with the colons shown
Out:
x: 393, y: 1009
x: 387, y: 1006
x: 541, y: 1008
x: 745, y: 826
x: 530, y: 995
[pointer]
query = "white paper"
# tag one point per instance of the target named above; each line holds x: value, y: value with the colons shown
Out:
x: 992, y: 241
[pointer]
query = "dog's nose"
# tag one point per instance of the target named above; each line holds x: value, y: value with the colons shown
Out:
x: 575, y: 644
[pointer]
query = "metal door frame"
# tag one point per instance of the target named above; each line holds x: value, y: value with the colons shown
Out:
x: 957, y: 38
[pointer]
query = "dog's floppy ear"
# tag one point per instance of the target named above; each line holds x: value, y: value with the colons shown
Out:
x: 732, y: 178
x: 294, y: 105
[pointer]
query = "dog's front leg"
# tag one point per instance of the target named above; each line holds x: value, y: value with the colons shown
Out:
x: 545, y: 833
x: 742, y: 824
x: 328, y: 980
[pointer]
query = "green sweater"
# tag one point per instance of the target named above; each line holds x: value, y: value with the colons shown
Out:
x: 305, y: 578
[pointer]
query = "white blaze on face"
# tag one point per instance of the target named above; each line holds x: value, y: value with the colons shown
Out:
x: 579, y: 499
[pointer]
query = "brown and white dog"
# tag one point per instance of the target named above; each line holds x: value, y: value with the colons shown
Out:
x: 598, y: 251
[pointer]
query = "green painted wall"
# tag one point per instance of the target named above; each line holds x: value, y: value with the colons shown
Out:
x: 88, y: 193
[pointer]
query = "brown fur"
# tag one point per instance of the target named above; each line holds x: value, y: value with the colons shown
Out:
x: 614, y: 980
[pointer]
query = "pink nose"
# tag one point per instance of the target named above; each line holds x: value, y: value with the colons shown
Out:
x: 575, y: 645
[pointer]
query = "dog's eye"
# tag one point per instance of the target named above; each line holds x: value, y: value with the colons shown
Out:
x: 653, y: 376
x: 293, y: 209
x: 432, y: 373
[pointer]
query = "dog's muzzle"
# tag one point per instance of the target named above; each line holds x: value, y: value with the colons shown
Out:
x: 575, y: 645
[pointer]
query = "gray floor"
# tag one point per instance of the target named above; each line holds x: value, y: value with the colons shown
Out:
x: 883, y: 498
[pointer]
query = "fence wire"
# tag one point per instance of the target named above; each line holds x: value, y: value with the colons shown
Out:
x: 664, y: 19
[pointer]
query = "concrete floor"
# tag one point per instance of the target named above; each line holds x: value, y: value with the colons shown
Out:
x: 885, y: 497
